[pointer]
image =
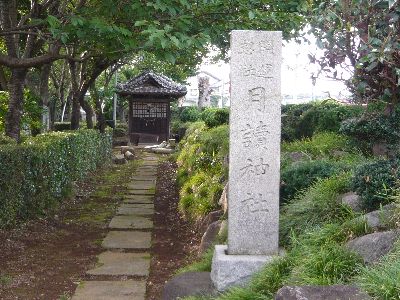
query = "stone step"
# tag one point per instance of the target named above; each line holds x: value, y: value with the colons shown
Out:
x: 127, y: 240
x: 111, y: 290
x: 130, y: 222
x: 129, y: 209
x: 122, y: 264
x: 138, y: 199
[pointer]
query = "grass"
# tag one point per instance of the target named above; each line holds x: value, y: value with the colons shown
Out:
x: 5, y: 280
x: 382, y: 281
x: 201, y: 265
x: 315, y: 206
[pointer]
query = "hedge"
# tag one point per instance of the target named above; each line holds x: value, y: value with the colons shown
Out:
x: 36, y: 175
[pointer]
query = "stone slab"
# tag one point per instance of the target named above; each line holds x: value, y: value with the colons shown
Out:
x: 130, y: 222
x: 122, y: 264
x: 137, y: 199
x: 141, y: 185
x: 255, y: 139
x: 141, y: 192
x: 234, y: 270
x: 127, y: 240
x: 111, y: 290
x: 144, y: 178
x: 132, y: 209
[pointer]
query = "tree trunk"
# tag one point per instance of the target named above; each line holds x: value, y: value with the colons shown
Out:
x: 87, y: 108
x: 15, y: 104
x: 76, y: 112
x: 44, y: 95
x: 101, y: 120
x: 204, y: 92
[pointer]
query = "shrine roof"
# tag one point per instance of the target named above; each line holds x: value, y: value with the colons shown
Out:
x: 149, y: 83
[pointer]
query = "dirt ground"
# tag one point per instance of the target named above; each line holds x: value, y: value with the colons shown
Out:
x: 46, y: 258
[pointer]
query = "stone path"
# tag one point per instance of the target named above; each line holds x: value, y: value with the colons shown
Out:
x: 125, y: 262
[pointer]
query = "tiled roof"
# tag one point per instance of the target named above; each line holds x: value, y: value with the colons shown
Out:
x: 149, y: 83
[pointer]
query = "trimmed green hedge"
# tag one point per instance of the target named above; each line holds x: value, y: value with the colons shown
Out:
x: 37, y: 174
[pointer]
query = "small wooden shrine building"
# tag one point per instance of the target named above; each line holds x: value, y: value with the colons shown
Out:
x: 149, y: 96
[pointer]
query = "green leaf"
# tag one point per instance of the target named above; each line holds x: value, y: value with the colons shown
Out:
x: 252, y: 15
x: 140, y: 23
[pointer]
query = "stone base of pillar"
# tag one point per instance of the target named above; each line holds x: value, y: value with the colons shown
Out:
x: 234, y: 270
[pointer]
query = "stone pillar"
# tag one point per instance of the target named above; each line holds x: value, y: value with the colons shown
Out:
x: 254, y: 170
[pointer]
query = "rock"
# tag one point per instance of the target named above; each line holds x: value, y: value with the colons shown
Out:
x: 188, y: 284
x: 129, y: 155
x: 379, y: 219
x: 223, y: 201
x: 210, y: 218
x: 209, y: 237
x: 172, y: 143
x: 163, y: 150
x: 124, y: 149
x: 119, y: 159
x: 353, y: 200
x: 380, y: 149
x: 372, y: 247
x: 333, y: 292
x: 223, y: 230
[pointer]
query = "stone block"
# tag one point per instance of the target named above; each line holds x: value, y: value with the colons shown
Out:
x: 130, y: 222
x: 125, y: 149
x: 129, y: 155
x: 127, y: 240
x: 119, y: 159
x: 234, y: 270
x: 209, y: 237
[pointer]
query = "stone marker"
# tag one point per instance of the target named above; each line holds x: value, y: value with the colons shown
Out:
x: 254, y: 170
x: 110, y: 290
x: 127, y: 240
x: 122, y: 264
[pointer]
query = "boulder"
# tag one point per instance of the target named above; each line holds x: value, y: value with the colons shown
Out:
x: 378, y: 219
x: 188, y: 284
x: 353, y: 200
x: 210, y: 218
x: 129, y: 155
x: 209, y: 237
x: 124, y: 149
x: 372, y: 247
x: 332, y: 292
x: 223, y: 200
x: 119, y: 159
x: 163, y: 150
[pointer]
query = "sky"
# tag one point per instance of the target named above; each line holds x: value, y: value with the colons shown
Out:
x: 296, y: 74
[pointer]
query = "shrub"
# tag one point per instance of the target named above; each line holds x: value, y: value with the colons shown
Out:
x: 315, y: 206
x: 214, y: 117
x: 62, y: 126
x: 37, y: 174
x: 320, y: 145
x: 325, y: 116
x: 5, y: 140
x: 190, y: 114
x: 291, y: 116
x: 120, y: 130
x: 375, y: 181
x: 374, y: 127
x: 302, y: 174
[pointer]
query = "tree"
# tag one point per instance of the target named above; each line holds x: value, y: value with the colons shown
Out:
x: 89, y: 33
x: 362, y: 37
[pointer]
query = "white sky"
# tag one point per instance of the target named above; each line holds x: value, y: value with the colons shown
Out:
x: 296, y: 72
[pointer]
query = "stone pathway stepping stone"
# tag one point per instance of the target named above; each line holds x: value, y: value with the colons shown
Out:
x: 122, y: 264
x: 127, y: 240
x: 131, y: 209
x: 138, y: 199
x: 141, y: 185
x: 129, y: 231
x: 111, y: 290
x: 130, y: 222
x: 142, y: 192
